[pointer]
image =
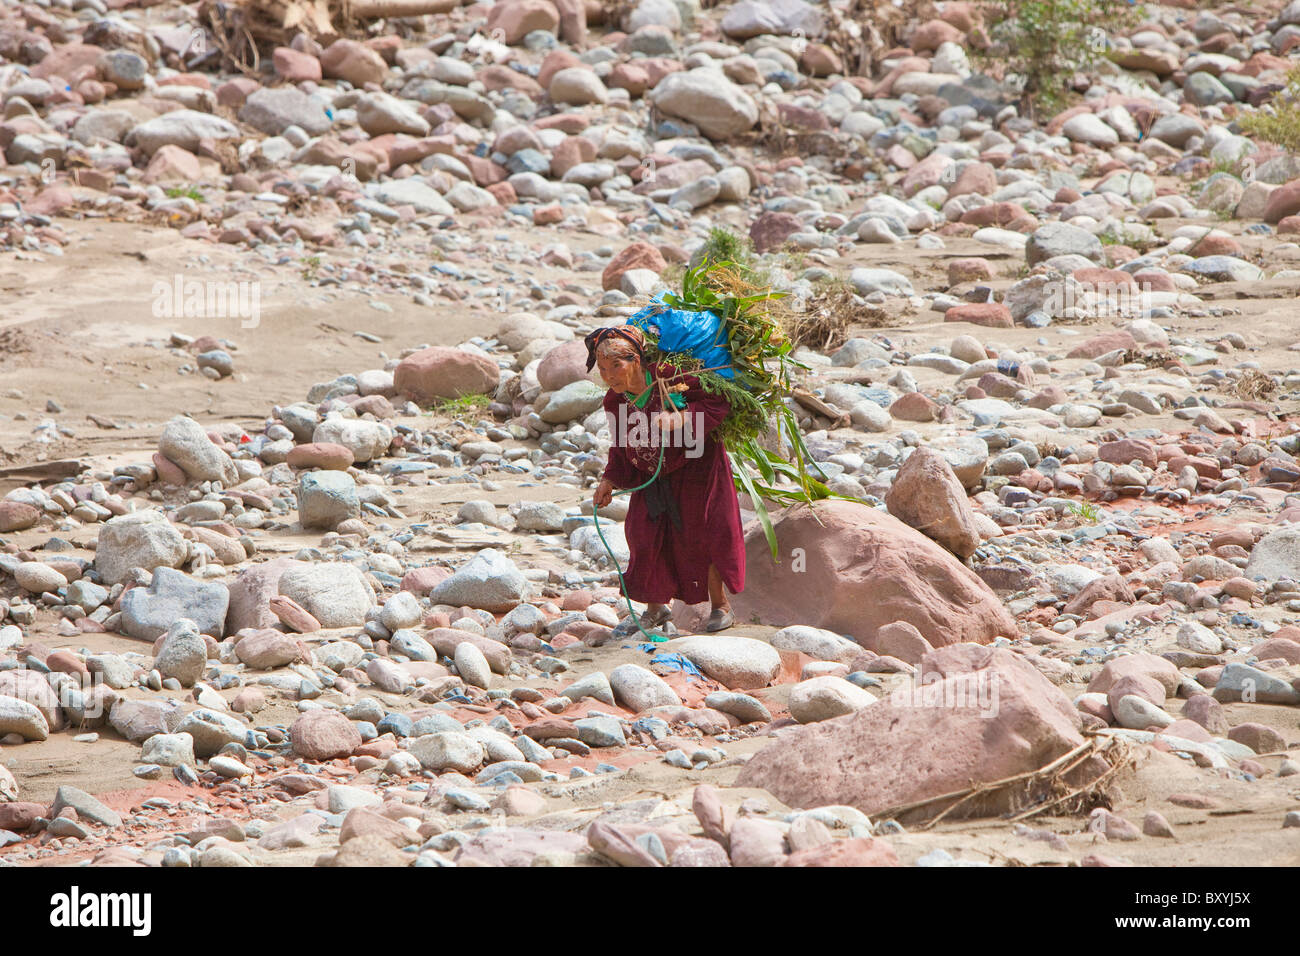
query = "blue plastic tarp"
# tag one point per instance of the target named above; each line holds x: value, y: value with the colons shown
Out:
x: 698, y: 334
x: 676, y: 662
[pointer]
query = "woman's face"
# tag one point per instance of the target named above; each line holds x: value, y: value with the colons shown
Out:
x: 621, y: 373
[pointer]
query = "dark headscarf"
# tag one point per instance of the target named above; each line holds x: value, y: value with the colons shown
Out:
x: 630, y: 333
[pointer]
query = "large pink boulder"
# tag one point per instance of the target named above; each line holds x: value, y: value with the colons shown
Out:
x: 563, y: 365
x: 978, y: 714
x: 927, y: 496
x: 442, y: 372
x: 851, y: 569
x: 324, y: 735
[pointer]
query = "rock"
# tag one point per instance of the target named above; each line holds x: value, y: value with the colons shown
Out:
x: 543, y: 516
x: 908, y: 747
x: 379, y: 114
x: 366, y: 440
x: 143, y: 539
x: 324, y: 455
x: 600, y: 732
x: 20, y: 717
x: 87, y: 807
x: 595, y: 685
x: 184, y: 653
x: 448, y: 750
x: 1089, y: 128
x: 184, y: 442
x: 707, y: 99
x: 324, y: 735
x: 211, y: 731
x: 577, y: 86
x: 17, y: 516
x: 337, y: 595
x: 1258, y: 737
x: 823, y: 698
x: 750, y: 18
x: 489, y: 581
x: 267, y: 650
x: 1137, y: 713
x: 37, y: 578
x: 1275, y: 556
x: 138, y: 720
x: 733, y: 661
x: 639, y: 255
x: 354, y: 62
x: 440, y: 372
x: 562, y: 365
x: 771, y: 230
x: 927, y: 496
x: 367, y: 851
x: 756, y: 842
x: 639, y: 689
x: 574, y: 401
x: 472, y: 666
x: 857, y: 851
x: 273, y: 110
x: 518, y: 18
x: 184, y: 128
x: 1061, y: 239
x: 251, y: 593
x: 902, y: 641
x: 326, y: 498
x: 169, y: 750
x: 1198, y: 638
x: 858, y: 570
x: 172, y: 595
x: 1242, y: 682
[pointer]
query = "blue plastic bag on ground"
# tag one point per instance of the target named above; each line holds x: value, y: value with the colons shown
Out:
x: 676, y: 662
x: 698, y: 334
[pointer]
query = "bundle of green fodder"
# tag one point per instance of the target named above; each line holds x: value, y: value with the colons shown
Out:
x: 723, y: 327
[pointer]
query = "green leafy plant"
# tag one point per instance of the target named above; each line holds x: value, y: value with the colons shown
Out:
x: 1085, y: 511
x: 184, y: 192
x: 1279, y: 121
x: 311, y: 268
x: 1046, y: 42
x: 759, y: 392
x: 464, y: 404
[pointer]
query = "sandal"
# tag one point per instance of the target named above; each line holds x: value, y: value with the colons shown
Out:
x: 648, y: 621
x: 720, y: 620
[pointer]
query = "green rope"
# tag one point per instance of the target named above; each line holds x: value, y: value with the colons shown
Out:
x: 610, y: 551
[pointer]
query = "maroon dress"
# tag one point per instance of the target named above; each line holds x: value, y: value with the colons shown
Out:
x: 668, y: 562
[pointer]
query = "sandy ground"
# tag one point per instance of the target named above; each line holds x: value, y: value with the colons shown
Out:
x: 80, y: 331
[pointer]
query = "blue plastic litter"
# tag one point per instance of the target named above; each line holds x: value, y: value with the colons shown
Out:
x: 1008, y: 368
x: 675, y: 662
x: 698, y: 334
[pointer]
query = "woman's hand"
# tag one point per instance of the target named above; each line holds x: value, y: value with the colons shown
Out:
x: 668, y: 421
x: 604, y: 494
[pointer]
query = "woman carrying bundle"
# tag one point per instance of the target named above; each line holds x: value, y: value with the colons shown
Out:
x: 683, y: 530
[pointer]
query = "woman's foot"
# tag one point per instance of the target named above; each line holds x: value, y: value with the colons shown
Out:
x: 720, y: 620
x: 656, y: 615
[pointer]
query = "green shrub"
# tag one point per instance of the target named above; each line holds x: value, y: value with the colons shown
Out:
x: 1279, y: 122
x: 1047, y: 41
